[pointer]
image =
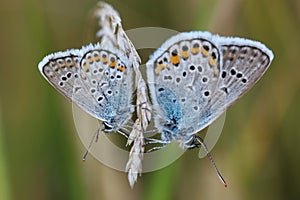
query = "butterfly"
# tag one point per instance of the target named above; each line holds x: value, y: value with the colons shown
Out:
x: 195, y: 76
x: 96, y: 78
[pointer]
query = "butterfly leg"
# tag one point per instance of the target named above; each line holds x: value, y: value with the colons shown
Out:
x: 156, y: 141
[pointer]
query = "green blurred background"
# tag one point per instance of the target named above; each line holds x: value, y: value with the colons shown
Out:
x: 40, y: 151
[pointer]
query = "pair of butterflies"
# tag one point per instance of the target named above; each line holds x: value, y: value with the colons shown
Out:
x: 192, y: 78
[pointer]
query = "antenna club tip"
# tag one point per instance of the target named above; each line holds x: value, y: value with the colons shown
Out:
x: 85, y: 156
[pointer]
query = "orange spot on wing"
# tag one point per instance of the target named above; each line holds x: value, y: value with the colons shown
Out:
x: 70, y: 64
x: 231, y: 56
x: 112, y: 64
x: 216, y: 73
x: 121, y: 68
x: 212, y: 61
x: 195, y: 50
x: 104, y: 60
x: 175, y: 59
x: 56, y: 68
x: 185, y: 54
x: 61, y: 64
x: 204, y: 51
x: 97, y: 58
x: 90, y: 60
x: 86, y: 67
x: 160, y: 67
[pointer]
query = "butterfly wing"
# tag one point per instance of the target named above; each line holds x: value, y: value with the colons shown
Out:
x: 107, y: 76
x: 85, y: 78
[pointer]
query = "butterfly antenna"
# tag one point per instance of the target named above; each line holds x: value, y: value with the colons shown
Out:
x: 212, y: 160
x: 95, y: 138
